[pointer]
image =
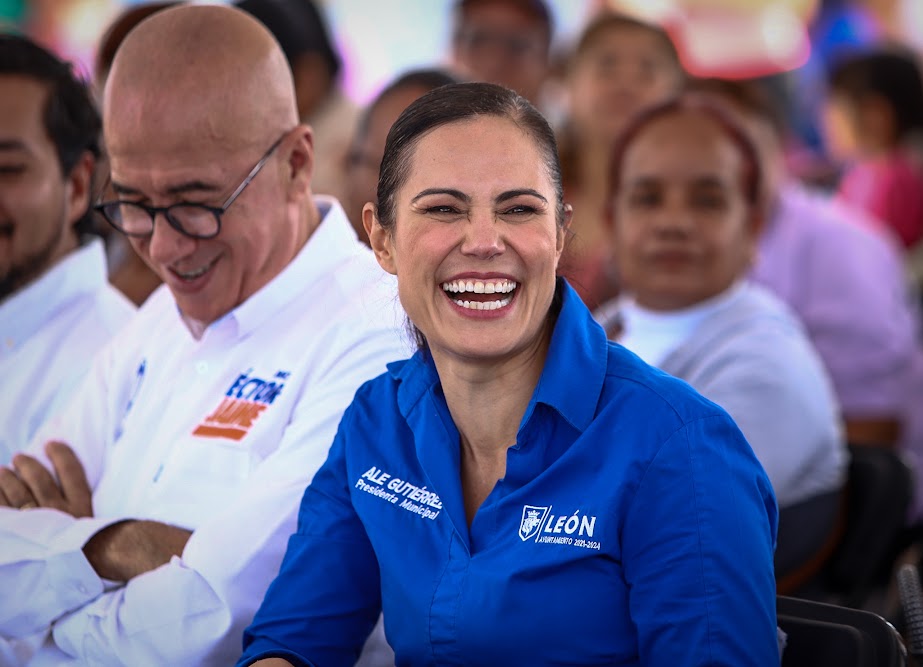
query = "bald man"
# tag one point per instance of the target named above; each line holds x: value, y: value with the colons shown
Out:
x: 144, y: 524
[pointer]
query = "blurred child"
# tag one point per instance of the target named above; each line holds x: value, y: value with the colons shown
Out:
x: 874, y: 123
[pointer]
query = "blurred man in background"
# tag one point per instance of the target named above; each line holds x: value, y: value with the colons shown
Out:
x: 56, y: 308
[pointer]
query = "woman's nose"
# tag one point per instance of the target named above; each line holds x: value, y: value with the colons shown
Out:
x: 483, y: 235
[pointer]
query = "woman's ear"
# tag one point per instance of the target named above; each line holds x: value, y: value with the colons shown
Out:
x: 564, y: 228
x: 379, y: 238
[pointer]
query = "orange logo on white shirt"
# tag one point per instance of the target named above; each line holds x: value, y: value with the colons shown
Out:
x: 247, y: 398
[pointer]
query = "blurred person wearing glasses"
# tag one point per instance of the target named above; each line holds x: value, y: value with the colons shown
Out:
x: 143, y: 525
x: 506, y: 42
x: 56, y: 307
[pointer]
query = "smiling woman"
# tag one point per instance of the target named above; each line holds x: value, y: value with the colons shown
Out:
x: 519, y: 476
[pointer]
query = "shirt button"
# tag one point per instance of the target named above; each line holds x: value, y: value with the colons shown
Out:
x: 201, y: 367
x: 82, y: 589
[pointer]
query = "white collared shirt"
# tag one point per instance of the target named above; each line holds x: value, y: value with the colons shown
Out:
x: 219, y: 436
x: 49, y: 332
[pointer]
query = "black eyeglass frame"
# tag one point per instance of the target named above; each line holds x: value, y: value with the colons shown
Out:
x: 216, y: 211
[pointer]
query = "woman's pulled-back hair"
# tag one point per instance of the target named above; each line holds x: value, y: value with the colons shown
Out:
x: 452, y: 104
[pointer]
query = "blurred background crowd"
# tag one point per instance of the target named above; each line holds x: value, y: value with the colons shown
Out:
x: 791, y: 38
x: 790, y: 46
x: 831, y: 91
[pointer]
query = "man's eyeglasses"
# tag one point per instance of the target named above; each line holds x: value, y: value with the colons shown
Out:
x: 199, y: 221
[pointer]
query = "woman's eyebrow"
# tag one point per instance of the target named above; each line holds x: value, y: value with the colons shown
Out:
x: 458, y: 194
x: 13, y: 145
x: 512, y: 194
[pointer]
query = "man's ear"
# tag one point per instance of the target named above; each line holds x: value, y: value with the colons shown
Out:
x: 78, y: 187
x: 380, y: 238
x: 301, y: 162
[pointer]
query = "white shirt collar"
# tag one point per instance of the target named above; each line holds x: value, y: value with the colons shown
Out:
x: 653, y: 335
x: 333, y: 240
x: 81, y: 272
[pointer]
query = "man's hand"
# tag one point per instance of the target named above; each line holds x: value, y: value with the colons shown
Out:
x: 124, y: 550
x: 29, y: 484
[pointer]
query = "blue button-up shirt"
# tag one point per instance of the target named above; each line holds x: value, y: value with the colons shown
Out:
x: 633, y: 526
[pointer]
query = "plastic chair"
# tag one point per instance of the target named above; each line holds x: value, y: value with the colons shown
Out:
x: 825, y: 635
x: 857, y: 556
x: 878, y: 494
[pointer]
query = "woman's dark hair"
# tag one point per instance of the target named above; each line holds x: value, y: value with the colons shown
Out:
x: 595, y: 31
x: 607, y: 21
x: 70, y: 116
x: 425, y: 79
x: 452, y: 104
x: 753, y: 96
x: 691, y: 103
x: 889, y: 73
x: 456, y: 103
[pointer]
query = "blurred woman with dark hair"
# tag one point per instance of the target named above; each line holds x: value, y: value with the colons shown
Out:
x: 687, y: 210
x: 620, y: 66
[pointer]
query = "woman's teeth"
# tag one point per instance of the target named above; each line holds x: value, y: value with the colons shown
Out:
x: 480, y: 286
x: 483, y: 305
x: 499, y: 287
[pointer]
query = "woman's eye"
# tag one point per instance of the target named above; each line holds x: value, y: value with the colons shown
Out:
x: 441, y: 210
x: 519, y: 209
x: 709, y: 203
x: 644, y: 200
x: 12, y: 169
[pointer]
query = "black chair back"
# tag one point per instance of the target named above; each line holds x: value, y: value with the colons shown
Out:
x: 822, y: 635
x: 879, y: 492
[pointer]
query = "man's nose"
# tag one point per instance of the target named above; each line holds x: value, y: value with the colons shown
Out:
x: 167, y: 244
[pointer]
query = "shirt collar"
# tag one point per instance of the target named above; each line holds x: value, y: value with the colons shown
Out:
x: 571, y: 382
x: 575, y: 369
x: 329, y: 245
x: 653, y: 335
x: 79, y: 273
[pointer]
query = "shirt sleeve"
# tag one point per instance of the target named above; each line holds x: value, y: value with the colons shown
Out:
x: 43, y: 572
x: 326, y: 599
x: 193, y: 610
x: 858, y: 315
x: 778, y: 393
x: 698, y: 552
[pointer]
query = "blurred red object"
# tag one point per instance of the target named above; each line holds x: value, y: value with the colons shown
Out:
x: 732, y: 38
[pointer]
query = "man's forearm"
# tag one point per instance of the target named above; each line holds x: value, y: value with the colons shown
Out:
x: 124, y: 550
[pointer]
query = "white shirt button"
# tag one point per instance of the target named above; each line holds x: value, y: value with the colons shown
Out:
x: 201, y: 367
